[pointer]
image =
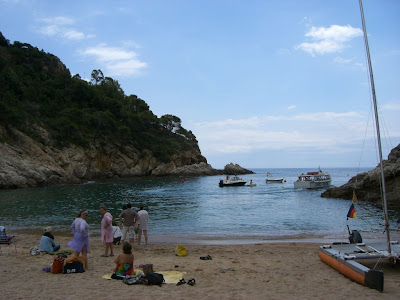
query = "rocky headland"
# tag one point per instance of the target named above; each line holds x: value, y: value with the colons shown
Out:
x: 367, y: 184
x: 25, y: 162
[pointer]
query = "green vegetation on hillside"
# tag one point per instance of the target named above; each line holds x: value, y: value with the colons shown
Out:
x: 36, y: 88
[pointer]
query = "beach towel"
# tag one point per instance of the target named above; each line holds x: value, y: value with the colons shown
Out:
x: 124, y: 269
x: 172, y: 276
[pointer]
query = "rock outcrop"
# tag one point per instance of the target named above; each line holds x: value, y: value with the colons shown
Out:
x: 367, y: 184
x: 25, y: 162
x: 235, y: 169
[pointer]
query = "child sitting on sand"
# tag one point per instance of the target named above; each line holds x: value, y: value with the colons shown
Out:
x: 124, y: 261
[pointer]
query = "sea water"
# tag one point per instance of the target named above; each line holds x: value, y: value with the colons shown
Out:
x: 197, y: 207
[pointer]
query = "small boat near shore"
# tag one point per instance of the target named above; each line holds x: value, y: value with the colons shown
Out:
x: 271, y: 179
x: 232, y: 181
x: 313, y: 180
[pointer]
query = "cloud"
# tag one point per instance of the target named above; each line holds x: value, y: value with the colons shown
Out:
x: 341, y: 60
x: 61, y: 27
x: 329, y: 40
x: 279, y: 132
x: 291, y: 107
x: 394, y: 106
x: 116, y: 60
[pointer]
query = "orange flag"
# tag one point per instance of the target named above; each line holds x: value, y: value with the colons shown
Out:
x: 354, y: 197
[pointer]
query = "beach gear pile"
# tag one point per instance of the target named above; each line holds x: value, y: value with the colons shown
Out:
x: 62, y: 265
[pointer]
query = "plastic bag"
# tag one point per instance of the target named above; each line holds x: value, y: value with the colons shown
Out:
x: 180, y: 250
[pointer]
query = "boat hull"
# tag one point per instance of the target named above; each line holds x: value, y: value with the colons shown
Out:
x: 278, y: 180
x: 312, y: 184
x: 344, y: 258
x: 224, y: 183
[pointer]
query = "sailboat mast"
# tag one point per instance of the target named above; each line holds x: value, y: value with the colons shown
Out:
x: 371, y: 75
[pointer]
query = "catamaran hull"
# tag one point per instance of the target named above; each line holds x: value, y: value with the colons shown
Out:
x: 354, y: 270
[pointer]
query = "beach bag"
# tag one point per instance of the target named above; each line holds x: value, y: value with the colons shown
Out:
x: 147, y: 268
x: 154, y: 278
x: 79, y: 258
x: 74, y: 265
x: 180, y: 250
x: 58, y: 265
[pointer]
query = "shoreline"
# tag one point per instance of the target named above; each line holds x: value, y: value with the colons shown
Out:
x: 189, y: 239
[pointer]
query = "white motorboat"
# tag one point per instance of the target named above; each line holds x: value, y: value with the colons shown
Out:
x: 232, y: 181
x: 271, y: 179
x: 313, y: 180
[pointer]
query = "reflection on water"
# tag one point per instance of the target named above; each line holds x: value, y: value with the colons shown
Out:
x: 196, y: 207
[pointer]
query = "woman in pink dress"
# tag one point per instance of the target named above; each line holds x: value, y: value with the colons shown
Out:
x: 106, y: 231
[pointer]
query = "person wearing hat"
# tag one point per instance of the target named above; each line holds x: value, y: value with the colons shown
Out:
x: 47, y: 243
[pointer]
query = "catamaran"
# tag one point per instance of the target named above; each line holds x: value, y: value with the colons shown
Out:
x: 344, y: 256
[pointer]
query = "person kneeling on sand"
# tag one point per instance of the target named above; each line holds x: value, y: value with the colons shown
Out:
x: 117, y: 233
x: 47, y: 243
x: 124, y: 261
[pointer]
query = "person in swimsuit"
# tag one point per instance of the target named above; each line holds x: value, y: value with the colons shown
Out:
x: 124, y: 261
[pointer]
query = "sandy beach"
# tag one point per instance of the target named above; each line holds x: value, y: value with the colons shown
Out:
x: 273, y: 270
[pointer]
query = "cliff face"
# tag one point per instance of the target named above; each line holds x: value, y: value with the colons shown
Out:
x: 25, y: 162
x: 367, y: 185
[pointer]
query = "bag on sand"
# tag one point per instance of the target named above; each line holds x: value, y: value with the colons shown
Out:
x: 79, y: 258
x: 58, y: 265
x: 74, y: 265
x: 147, y: 268
x: 152, y: 278
x: 180, y: 250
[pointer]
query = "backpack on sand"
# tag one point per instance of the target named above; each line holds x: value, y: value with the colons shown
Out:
x: 154, y: 278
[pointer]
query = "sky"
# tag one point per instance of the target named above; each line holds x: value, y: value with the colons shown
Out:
x: 262, y: 84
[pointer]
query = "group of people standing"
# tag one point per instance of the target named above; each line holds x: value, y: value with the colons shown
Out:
x: 132, y: 221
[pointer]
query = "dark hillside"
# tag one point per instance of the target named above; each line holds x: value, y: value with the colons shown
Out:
x: 37, y: 89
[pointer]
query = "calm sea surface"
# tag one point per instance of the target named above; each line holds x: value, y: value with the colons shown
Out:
x: 198, y: 207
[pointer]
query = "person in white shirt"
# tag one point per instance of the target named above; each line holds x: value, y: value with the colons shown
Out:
x: 143, y: 224
x: 117, y: 233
